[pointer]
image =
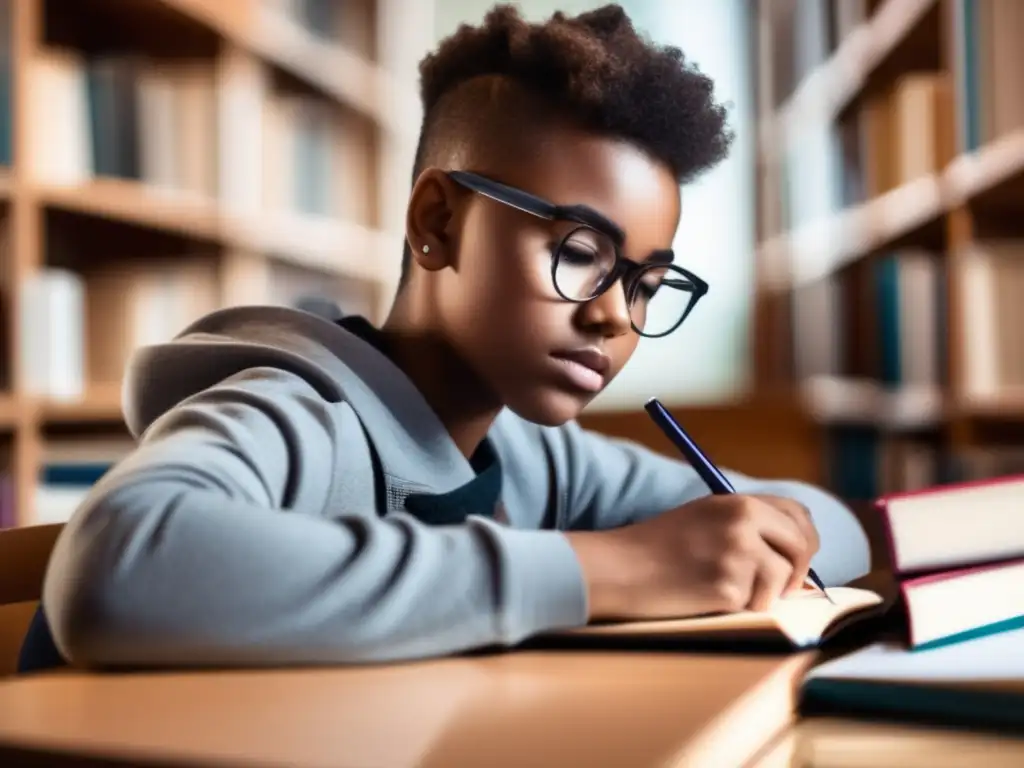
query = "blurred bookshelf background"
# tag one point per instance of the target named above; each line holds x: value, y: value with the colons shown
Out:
x: 163, y: 158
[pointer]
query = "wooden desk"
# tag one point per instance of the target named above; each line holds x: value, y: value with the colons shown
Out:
x: 599, y: 710
x: 841, y: 743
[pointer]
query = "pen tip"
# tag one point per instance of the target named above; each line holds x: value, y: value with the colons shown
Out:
x: 651, y: 401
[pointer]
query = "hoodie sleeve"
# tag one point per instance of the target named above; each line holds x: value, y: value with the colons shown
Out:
x: 211, y: 544
x: 613, y: 482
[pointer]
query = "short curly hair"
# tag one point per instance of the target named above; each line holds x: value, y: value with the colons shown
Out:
x: 594, y: 70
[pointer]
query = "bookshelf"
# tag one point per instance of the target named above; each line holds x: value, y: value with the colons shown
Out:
x: 891, y: 245
x: 163, y: 158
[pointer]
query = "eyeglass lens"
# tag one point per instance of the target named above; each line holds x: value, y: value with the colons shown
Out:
x: 659, y: 296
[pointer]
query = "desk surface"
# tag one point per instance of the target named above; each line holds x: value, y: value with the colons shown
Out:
x: 539, y: 709
x: 846, y: 743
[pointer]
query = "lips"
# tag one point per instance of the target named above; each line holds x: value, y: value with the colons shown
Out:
x: 584, y: 369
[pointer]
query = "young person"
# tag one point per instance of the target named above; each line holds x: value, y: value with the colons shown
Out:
x: 313, y: 492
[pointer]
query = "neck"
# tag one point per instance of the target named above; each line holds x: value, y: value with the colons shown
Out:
x: 465, y: 406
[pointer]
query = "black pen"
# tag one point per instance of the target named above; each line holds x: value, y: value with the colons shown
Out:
x: 712, y: 476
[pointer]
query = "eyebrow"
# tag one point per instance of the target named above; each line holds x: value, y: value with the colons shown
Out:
x: 660, y: 256
x: 592, y: 217
x: 584, y: 214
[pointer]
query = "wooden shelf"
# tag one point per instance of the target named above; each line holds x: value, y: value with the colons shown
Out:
x: 99, y: 407
x: 1004, y: 406
x: 994, y: 171
x: 10, y: 413
x: 134, y: 203
x: 328, y: 245
x: 815, y: 250
x: 836, y: 400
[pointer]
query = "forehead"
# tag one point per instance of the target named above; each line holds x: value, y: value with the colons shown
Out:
x: 615, y: 178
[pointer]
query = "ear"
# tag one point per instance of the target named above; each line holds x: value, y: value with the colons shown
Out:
x: 428, y: 219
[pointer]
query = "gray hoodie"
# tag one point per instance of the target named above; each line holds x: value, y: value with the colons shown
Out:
x: 294, y: 500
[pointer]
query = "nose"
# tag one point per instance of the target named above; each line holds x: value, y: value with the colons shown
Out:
x: 608, y: 314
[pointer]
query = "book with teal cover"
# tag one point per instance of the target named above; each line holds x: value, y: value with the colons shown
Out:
x: 977, y: 682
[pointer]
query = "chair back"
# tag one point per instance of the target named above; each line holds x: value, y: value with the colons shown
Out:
x: 24, y: 555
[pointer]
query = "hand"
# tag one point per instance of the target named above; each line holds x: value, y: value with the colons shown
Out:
x: 715, y: 554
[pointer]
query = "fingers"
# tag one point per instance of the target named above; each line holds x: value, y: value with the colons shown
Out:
x: 799, y: 514
x: 770, y: 579
x: 767, y: 543
x: 780, y: 532
x: 801, y: 518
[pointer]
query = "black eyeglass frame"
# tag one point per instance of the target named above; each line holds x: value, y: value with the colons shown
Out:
x: 625, y: 269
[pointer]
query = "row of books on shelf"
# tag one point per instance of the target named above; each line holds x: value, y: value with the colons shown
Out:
x: 825, y: 52
x: 917, y: 124
x: 814, y: 44
x: 901, y: 134
x: 909, y: 128
x: 126, y: 118
x: 157, y: 121
x: 886, y: 320
x: 79, y: 328
x: 69, y: 470
x: 914, y: 125
x: 991, y: 68
x: 865, y: 464
x: 881, y: 319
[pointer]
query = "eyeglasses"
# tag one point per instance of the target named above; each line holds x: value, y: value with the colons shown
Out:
x: 588, y: 261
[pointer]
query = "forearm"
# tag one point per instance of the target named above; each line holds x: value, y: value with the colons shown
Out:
x: 159, y: 574
x: 617, y: 482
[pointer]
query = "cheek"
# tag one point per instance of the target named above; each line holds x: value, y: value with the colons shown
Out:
x: 505, y: 264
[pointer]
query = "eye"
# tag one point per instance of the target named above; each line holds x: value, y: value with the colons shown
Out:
x: 582, y: 263
x: 585, y: 247
x: 576, y: 255
x: 644, y: 290
x: 648, y: 283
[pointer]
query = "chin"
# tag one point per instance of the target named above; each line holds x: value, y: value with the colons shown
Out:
x: 548, y: 407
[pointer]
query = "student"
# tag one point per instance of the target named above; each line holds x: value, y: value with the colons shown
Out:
x: 313, y: 492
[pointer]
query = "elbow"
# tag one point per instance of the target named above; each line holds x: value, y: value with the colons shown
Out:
x: 83, y: 619
x: 79, y: 624
x: 91, y: 591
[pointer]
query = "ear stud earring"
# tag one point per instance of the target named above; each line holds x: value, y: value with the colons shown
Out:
x: 426, y: 249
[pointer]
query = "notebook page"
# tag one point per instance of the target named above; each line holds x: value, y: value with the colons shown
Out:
x: 805, y: 617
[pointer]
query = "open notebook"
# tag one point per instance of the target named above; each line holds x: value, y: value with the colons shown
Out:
x: 803, y: 620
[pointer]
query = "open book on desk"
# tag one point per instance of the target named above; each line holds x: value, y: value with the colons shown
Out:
x: 803, y: 620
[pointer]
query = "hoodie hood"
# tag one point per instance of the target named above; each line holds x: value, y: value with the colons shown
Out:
x: 339, y: 365
x: 160, y: 376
